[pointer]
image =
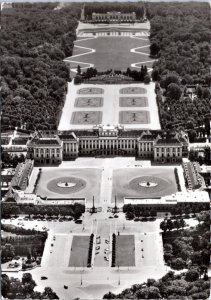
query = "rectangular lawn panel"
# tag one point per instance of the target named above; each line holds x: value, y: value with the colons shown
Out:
x: 86, y: 117
x: 134, y: 117
x: 79, y: 252
x: 125, y: 250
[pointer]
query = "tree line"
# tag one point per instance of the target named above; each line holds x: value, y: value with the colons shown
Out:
x: 75, y: 210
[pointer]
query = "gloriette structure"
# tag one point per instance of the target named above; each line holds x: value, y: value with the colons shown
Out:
x: 113, y: 17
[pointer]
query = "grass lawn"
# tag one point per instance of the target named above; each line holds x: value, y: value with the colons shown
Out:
x: 111, y: 52
x: 125, y: 250
x: 87, y: 182
x: 79, y: 253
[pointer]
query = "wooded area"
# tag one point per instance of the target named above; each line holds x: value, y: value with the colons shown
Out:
x: 180, y: 39
x: 34, y: 42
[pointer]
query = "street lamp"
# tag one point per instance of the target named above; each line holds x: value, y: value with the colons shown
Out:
x: 81, y: 279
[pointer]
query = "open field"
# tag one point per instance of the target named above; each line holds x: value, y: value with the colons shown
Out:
x: 112, y: 107
x: 126, y: 182
x: 79, y: 251
x: 82, y: 183
x: 125, y: 250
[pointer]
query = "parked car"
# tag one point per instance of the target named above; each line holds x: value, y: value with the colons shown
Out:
x: 44, y: 277
x: 78, y: 221
x: 115, y: 216
x: 97, y: 248
x: 110, y: 217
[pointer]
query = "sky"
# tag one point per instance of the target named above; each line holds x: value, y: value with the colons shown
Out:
x: 103, y: 1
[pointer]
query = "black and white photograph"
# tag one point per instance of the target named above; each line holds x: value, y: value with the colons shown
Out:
x: 105, y: 149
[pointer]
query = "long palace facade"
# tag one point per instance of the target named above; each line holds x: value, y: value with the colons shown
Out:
x: 113, y: 17
x: 53, y: 147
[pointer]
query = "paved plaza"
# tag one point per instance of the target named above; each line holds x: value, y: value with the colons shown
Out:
x: 63, y: 266
x: 127, y: 182
x: 66, y: 183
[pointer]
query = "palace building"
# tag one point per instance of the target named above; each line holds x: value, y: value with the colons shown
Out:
x: 53, y: 147
x: 113, y: 17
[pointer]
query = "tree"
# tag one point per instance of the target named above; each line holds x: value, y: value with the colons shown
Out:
x: 182, y: 223
x: 49, y: 293
x: 169, y: 224
x: 174, y: 91
x: 147, y: 79
x: 192, y: 275
x: 77, y: 79
x: 171, y: 78
x: 78, y: 70
x: 109, y: 295
x: 178, y: 263
x: 5, y: 285
x: 154, y: 49
x: 154, y: 293
x: 163, y: 226
x: 155, y: 75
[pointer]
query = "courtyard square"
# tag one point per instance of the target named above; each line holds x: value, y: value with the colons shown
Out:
x: 131, y: 183
x: 66, y: 183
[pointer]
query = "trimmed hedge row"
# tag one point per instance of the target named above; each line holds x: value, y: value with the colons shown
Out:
x: 113, y: 262
x: 177, y: 179
x: 89, y: 261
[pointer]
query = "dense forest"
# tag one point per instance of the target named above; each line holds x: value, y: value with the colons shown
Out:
x: 193, y: 245
x: 123, y: 7
x: 35, y: 38
x: 180, y: 40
